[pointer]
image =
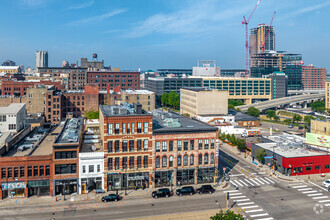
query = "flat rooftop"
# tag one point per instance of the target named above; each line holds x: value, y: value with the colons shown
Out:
x: 70, y: 132
x: 124, y: 109
x: 202, y: 89
x: 13, y: 108
x: 92, y: 143
x: 141, y: 91
x: 45, y: 147
x: 167, y: 122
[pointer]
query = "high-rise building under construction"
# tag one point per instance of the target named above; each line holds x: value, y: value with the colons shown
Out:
x: 259, y: 39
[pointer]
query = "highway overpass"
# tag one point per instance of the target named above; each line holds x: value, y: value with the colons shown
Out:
x: 283, y: 101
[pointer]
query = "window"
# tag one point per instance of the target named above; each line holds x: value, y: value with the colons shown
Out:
x: 191, y: 144
x: 212, y: 158
x: 116, y: 146
x: 124, y: 146
x: 110, y: 143
x: 200, y: 159
x: 84, y: 169
x: 139, y: 162
x: 15, y: 171
x: 124, y: 128
x: 157, y: 162
x: 212, y: 143
x: 117, y: 163
x: 170, y: 145
x: 98, y: 168
x: 191, y: 160
x: 206, y: 144
x: 139, y: 145
x: 35, y: 171
x: 317, y: 167
x: 146, y: 129
x: 309, y: 168
x: 22, y: 171
x: 65, y: 155
x: 170, y: 164
x: 145, y: 145
x: 297, y: 170
x: 12, y: 126
x: 200, y: 144
x: 131, y: 145
x: 3, y: 173
x: 110, y: 165
x: 206, y: 158
x: 164, y: 161
x: 327, y: 166
x: 157, y: 146
x: 164, y: 146
x: 132, y: 128
x: 47, y: 170
x: 131, y: 162
x: 185, y: 145
x: 145, y: 161
x: 128, y: 128
x: 139, y: 127
x: 65, y: 168
x: 179, y: 145
x: 117, y: 125
x: 124, y: 163
x: 185, y: 160
x: 2, y: 118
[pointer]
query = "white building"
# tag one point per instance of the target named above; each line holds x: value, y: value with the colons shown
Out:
x: 12, y: 117
x: 91, y: 164
x: 41, y: 59
x: 206, y: 68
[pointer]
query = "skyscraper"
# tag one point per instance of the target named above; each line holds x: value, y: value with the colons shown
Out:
x: 258, y: 38
x: 41, y: 59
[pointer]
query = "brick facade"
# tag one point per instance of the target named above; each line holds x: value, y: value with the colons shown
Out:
x: 313, y: 77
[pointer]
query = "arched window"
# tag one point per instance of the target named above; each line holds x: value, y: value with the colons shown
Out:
x: 185, y: 160
x: 157, y: 162
x: 206, y: 158
x: 164, y: 161
x: 200, y: 159
x: 171, y: 161
x: 212, y: 159
x: 192, y: 160
x: 179, y: 161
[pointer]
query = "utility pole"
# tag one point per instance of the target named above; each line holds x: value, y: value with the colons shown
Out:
x: 227, y: 200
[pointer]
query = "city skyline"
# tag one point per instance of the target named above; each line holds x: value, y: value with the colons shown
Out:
x: 151, y: 35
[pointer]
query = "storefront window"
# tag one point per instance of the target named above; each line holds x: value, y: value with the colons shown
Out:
x: 205, y: 175
x: 191, y: 160
x: 297, y: 170
x: 157, y: 162
x: 185, y: 160
x: 179, y: 161
x: 163, y: 178
x: 185, y: 176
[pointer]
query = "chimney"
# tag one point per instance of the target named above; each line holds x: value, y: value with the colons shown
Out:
x: 138, y: 108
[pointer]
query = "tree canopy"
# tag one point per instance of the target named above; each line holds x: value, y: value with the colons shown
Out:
x: 235, y: 102
x: 270, y: 113
x: 171, y: 99
x: 253, y: 111
x: 260, y: 154
x: 318, y: 106
x: 229, y: 215
x: 92, y: 114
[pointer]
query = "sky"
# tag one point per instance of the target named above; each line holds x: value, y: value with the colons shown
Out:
x: 152, y: 34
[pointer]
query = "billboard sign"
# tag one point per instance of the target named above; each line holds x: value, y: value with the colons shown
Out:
x: 318, y: 140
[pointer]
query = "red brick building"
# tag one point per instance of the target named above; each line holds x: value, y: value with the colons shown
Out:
x: 18, y: 88
x: 126, y: 133
x: 313, y: 77
x: 126, y: 80
x: 184, y: 150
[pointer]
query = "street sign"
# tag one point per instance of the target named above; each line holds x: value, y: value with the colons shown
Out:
x: 268, y: 157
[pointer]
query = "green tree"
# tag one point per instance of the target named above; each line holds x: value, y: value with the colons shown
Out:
x: 235, y: 102
x: 276, y: 118
x: 307, y: 119
x: 222, y: 136
x: 229, y: 215
x: 260, y: 154
x: 241, y: 144
x: 173, y: 99
x: 164, y: 98
x: 296, y: 118
x: 233, y: 139
x: 270, y: 113
x: 237, y: 109
x: 228, y: 137
x: 231, y: 106
x: 92, y: 114
x: 288, y: 121
x: 253, y: 111
x: 318, y: 106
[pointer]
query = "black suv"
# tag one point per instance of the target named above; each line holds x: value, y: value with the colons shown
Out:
x: 187, y: 190
x: 205, y: 189
x: 164, y: 192
x: 111, y: 197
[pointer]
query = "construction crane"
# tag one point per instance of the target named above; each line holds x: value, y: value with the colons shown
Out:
x: 246, y: 22
x: 262, y: 47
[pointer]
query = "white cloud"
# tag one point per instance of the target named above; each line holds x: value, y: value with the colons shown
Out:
x: 305, y: 10
x: 198, y: 18
x: 81, y: 6
x: 97, y: 18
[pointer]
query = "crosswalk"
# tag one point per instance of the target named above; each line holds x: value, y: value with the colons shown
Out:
x: 252, y: 182
x: 316, y: 194
x: 251, y: 209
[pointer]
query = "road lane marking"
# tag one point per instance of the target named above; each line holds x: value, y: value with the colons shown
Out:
x: 229, y: 191
x: 326, y: 204
x: 316, y: 194
x: 265, y: 218
x: 233, y: 175
x: 304, y: 189
x: 249, y: 182
x: 313, y: 191
x: 249, y: 207
x: 263, y: 180
x: 255, y: 182
x: 242, y: 200
x: 263, y: 214
x: 232, y: 183
x: 324, y: 201
x: 300, y: 186
x: 237, y: 183
x: 317, y: 186
x: 245, y: 203
x: 237, y: 197
x: 243, y: 182
x: 262, y: 183
x: 255, y: 210
x: 320, y: 197
x: 235, y: 194
x: 269, y: 180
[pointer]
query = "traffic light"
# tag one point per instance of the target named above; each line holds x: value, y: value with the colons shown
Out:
x: 227, y: 195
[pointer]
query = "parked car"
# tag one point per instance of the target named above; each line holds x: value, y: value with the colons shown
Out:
x: 291, y: 126
x: 187, y: 190
x: 111, y: 197
x: 326, y: 183
x: 164, y: 192
x: 205, y: 189
x: 98, y: 191
x: 300, y: 128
